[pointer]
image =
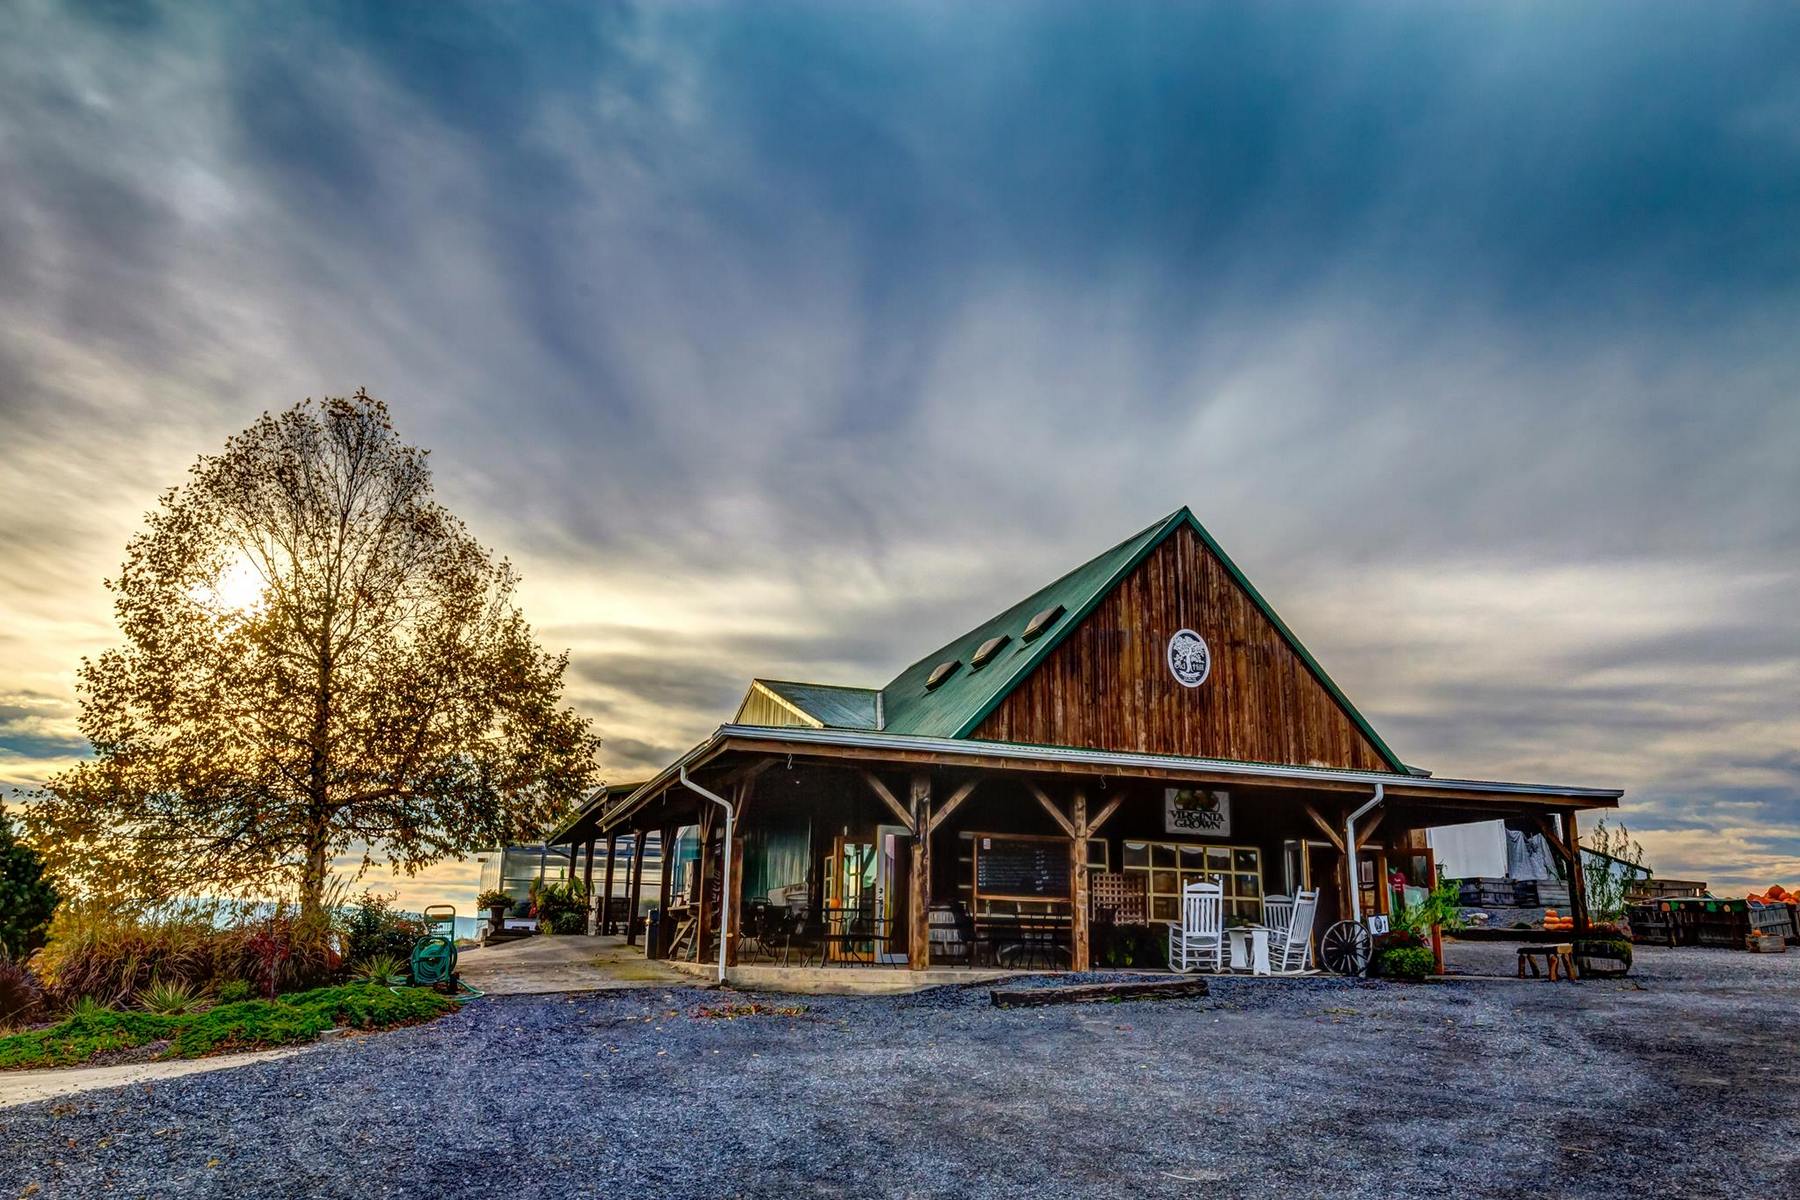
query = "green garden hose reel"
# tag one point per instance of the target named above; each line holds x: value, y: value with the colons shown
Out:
x: 434, y: 955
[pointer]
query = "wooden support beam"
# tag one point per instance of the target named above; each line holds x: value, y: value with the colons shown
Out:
x: 1078, y: 883
x: 918, y: 892
x: 1099, y: 818
x: 734, y: 867
x: 1334, y: 836
x: 1050, y: 807
x: 612, y: 848
x: 1368, y: 831
x: 1578, y: 897
x: 1548, y: 829
x: 707, y: 864
x: 664, y: 892
x: 587, y: 886
x: 887, y: 798
x: 941, y: 814
x: 637, y: 886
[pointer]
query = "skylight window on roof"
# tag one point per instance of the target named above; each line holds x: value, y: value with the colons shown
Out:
x: 941, y: 672
x: 987, y: 650
x: 1042, y: 621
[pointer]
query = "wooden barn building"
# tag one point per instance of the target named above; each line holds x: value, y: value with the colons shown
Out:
x: 1038, y: 790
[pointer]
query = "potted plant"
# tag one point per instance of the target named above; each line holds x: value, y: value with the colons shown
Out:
x: 497, y: 904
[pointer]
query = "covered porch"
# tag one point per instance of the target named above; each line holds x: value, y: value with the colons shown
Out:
x: 852, y: 850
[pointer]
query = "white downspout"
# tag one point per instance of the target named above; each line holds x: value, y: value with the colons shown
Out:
x: 1350, y: 850
x: 725, y: 888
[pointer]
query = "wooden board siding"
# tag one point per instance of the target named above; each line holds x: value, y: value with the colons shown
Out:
x: 1108, y: 685
x: 760, y: 708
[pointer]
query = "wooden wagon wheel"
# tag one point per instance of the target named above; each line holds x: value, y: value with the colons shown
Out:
x: 1345, y: 948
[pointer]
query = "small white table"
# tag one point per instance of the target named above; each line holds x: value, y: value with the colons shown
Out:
x: 1249, y: 948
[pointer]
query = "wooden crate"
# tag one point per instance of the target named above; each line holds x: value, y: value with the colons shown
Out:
x: 1488, y: 892
x: 1774, y: 919
x: 1543, y: 893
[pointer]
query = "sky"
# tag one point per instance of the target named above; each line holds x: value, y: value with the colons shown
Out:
x: 792, y: 340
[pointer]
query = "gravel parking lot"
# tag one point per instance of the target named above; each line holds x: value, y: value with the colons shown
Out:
x: 1679, y: 1082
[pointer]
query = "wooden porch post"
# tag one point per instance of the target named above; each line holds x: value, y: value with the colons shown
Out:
x: 665, y: 891
x: 1078, y: 883
x: 637, y: 887
x: 612, y: 846
x: 1578, y: 897
x: 734, y: 867
x: 918, y: 895
x: 587, y: 886
x: 706, y: 868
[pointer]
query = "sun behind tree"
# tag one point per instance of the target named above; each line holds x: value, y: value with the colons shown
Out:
x: 318, y: 655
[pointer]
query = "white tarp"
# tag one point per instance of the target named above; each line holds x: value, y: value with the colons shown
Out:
x: 1469, y: 851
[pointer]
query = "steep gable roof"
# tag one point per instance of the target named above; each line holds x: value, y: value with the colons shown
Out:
x: 958, y: 704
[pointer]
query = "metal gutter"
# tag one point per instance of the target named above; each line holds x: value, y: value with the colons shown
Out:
x: 1073, y: 756
x: 1350, y: 850
x: 1111, y: 758
x: 724, y: 892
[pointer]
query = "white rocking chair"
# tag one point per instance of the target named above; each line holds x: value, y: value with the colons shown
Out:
x: 1197, y: 940
x: 1277, y: 911
x: 1290, y: 943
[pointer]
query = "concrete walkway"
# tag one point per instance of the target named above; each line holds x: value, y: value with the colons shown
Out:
x: 28, y: 1087
x: 563, y: 964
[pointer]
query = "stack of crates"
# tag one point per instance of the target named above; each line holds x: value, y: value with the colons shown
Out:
x: 1488, y: 892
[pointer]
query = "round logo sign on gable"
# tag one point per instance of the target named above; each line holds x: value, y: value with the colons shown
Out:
x: 1189, y: 659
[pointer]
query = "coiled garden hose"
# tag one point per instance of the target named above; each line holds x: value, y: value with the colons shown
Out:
x: 433, y: 960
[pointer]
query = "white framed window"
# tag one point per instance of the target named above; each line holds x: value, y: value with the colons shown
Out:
x: 1167, y: 867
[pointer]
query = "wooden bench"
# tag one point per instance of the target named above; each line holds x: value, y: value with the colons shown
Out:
x: 1559, y: 958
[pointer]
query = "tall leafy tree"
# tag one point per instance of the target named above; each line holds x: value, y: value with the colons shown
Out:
x: 318, y: 656
x: 27, y: 897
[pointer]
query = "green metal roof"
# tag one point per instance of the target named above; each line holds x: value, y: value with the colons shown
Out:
x: 965, y: 697
x: 956, y: 706
x: 833, y: 706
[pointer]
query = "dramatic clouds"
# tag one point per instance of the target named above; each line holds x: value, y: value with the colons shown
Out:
x: 792, y: 340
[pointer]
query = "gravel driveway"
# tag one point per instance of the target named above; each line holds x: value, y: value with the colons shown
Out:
x: 1679, y: 1083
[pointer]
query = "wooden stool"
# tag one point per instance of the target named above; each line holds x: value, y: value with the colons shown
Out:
x: 1559, y: 959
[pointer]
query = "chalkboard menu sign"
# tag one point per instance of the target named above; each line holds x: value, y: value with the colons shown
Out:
x: 1022, y: 868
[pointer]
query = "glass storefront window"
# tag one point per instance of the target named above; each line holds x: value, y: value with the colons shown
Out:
x: 1167, y: 867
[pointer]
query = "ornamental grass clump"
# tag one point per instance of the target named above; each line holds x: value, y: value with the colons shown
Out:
x: 21, y: 994
x: 170, y: 999
x: 383, y: 969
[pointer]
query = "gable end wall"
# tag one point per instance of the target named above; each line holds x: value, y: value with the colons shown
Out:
x: 1108, y: 687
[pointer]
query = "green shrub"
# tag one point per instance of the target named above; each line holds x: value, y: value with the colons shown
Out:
x: 27, y: 899
x: 489, y: 900
x: 359, y: 1006
x: 375, y: 928
x: 233, y: 990
x: 89, y: 1031
x: 171, y: 999
x: 560, y: 907
x: 247, y: 1025
x: 21, y: 994
x: 92, y: 1029
x: 1409, y: 962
